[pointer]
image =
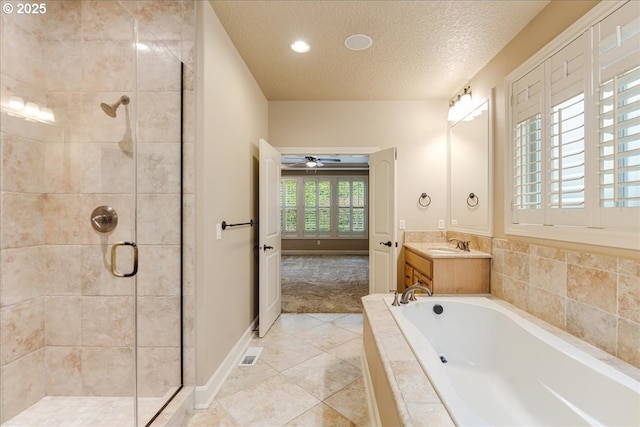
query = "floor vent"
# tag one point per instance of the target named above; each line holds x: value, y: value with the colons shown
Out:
x: 251, y: 356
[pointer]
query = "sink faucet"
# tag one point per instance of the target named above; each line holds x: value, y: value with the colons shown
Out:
x: 407, y: 294
x: 462, y: 245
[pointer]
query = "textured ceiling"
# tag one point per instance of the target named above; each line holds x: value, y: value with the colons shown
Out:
x: 421, y: 49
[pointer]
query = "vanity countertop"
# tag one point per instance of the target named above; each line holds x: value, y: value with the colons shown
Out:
x: 443, y: 250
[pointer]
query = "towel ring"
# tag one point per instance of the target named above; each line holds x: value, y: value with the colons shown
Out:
x: 470, y: 200
x: 424, y: 196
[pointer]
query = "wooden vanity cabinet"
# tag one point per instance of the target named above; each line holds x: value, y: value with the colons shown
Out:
x: 455, y: 275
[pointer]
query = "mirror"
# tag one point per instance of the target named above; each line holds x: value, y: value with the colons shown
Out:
x: 470, y: 172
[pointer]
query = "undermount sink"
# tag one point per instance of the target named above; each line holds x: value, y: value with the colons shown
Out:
x: 444, y: 250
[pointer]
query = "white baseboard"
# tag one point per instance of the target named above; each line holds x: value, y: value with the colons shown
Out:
x: 374, y: 415
x: 205, y: 394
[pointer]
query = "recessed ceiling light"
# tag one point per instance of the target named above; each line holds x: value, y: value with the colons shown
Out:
x: 300, y: 46
x: 358, y: 42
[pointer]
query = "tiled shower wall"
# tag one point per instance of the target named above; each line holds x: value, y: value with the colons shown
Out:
x: 66, y: 323
x: 594, y: 297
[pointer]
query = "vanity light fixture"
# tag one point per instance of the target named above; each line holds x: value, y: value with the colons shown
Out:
x: 460, y: 105
x: 300, y: 46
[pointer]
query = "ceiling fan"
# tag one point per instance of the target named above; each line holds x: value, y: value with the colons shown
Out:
x: 311, y: 161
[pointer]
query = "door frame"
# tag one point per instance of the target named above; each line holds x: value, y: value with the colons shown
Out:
x: 298, y: 151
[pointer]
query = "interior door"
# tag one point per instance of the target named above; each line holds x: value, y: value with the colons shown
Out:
x: 270, y: 301
x: 383, y: 244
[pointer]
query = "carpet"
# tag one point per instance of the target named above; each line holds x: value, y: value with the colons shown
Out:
x: 324, y: 283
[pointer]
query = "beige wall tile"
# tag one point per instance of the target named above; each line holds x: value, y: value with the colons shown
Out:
x: 516, y: 265
x: 159, y: 67
x: 586, y: 259
x: 159, y: 321
x: 547, y: 306
x: 22, y: 383
x: 592, y: 325
x: 158, y: 20
x: 95, y: 262
x: 22, y: 159
x: 106, y: 21
x: 629, y: 297
x: 154, y: 382
x: 591, y: 286
x: 497, y: 284
x: 22, y: 52
x: 63, y: 319
x: 107, y: 371
x: 62, y: 171
x: 629, y: 267
x: 629, y: 341
x: 22, y: 327
x: 107, y: 66
x: 515, y: 291
x: 497, y: 260
x: 22, y: 274
x: 64, y: 65
x: 64, y: 20
x: 548, y: 252
x: 107, y: 321
x: 158, y: 229
x: 159, y: 116
x: 62, y: 269
x: 159, y: 168
x: 159, y: 270
x: 22, y: 223
x: 549, y: 274
x: 64, y: 371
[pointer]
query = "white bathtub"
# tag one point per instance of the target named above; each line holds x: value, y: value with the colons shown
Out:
x: 502, y: 370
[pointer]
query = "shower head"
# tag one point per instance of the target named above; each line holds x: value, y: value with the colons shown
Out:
x: 111, y: 109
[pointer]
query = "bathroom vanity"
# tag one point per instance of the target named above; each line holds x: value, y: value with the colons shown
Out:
x: 445, y: 269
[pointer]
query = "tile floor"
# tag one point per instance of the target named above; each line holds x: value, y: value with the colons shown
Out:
x: 309, y: 374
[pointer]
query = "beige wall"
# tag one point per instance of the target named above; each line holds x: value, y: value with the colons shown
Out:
x: 232, y: 116
x: 417, y: 128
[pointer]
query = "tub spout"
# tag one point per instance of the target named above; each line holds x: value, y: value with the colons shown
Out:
x: 407, y: 294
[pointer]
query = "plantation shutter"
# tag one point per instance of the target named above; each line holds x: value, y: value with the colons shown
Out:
x: 617, y: 62
x: 528, y: 148
x: 567, y: 72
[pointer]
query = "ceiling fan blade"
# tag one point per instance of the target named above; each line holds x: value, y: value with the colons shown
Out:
x: 329, y: 159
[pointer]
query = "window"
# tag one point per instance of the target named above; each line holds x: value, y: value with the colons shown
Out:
x: 333, y: 206
x: 575, y: 151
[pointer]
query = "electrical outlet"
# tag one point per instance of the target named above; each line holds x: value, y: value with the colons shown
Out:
x: 454, y: 222
x: 402, y: 224
x: 318, y: 242
x: 441, y: 224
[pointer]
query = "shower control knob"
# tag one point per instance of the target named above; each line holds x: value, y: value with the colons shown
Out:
x: 104, y: 219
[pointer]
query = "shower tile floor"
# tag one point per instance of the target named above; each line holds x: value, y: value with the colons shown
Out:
x: 309, y: 374
x: 84, y: 411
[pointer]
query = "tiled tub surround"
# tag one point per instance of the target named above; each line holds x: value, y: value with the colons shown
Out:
x: 594, y: 297
x: 403, y: 392
x: 66, y: 323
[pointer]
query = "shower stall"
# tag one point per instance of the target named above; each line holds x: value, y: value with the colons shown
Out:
x: 91, y: 196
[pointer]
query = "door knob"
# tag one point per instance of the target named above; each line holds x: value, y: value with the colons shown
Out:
x: 386, y: 243
x: 265, y: 247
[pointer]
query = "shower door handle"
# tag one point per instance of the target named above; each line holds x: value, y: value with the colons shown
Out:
x: 114, y: 269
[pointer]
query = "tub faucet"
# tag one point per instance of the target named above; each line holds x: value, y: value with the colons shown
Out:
x: 407, y: 294
x: 462, y: 245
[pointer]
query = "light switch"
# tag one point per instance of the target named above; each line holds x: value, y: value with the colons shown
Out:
x: 218, y: 231
x: 441, y: 224
x: 402, y: 224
